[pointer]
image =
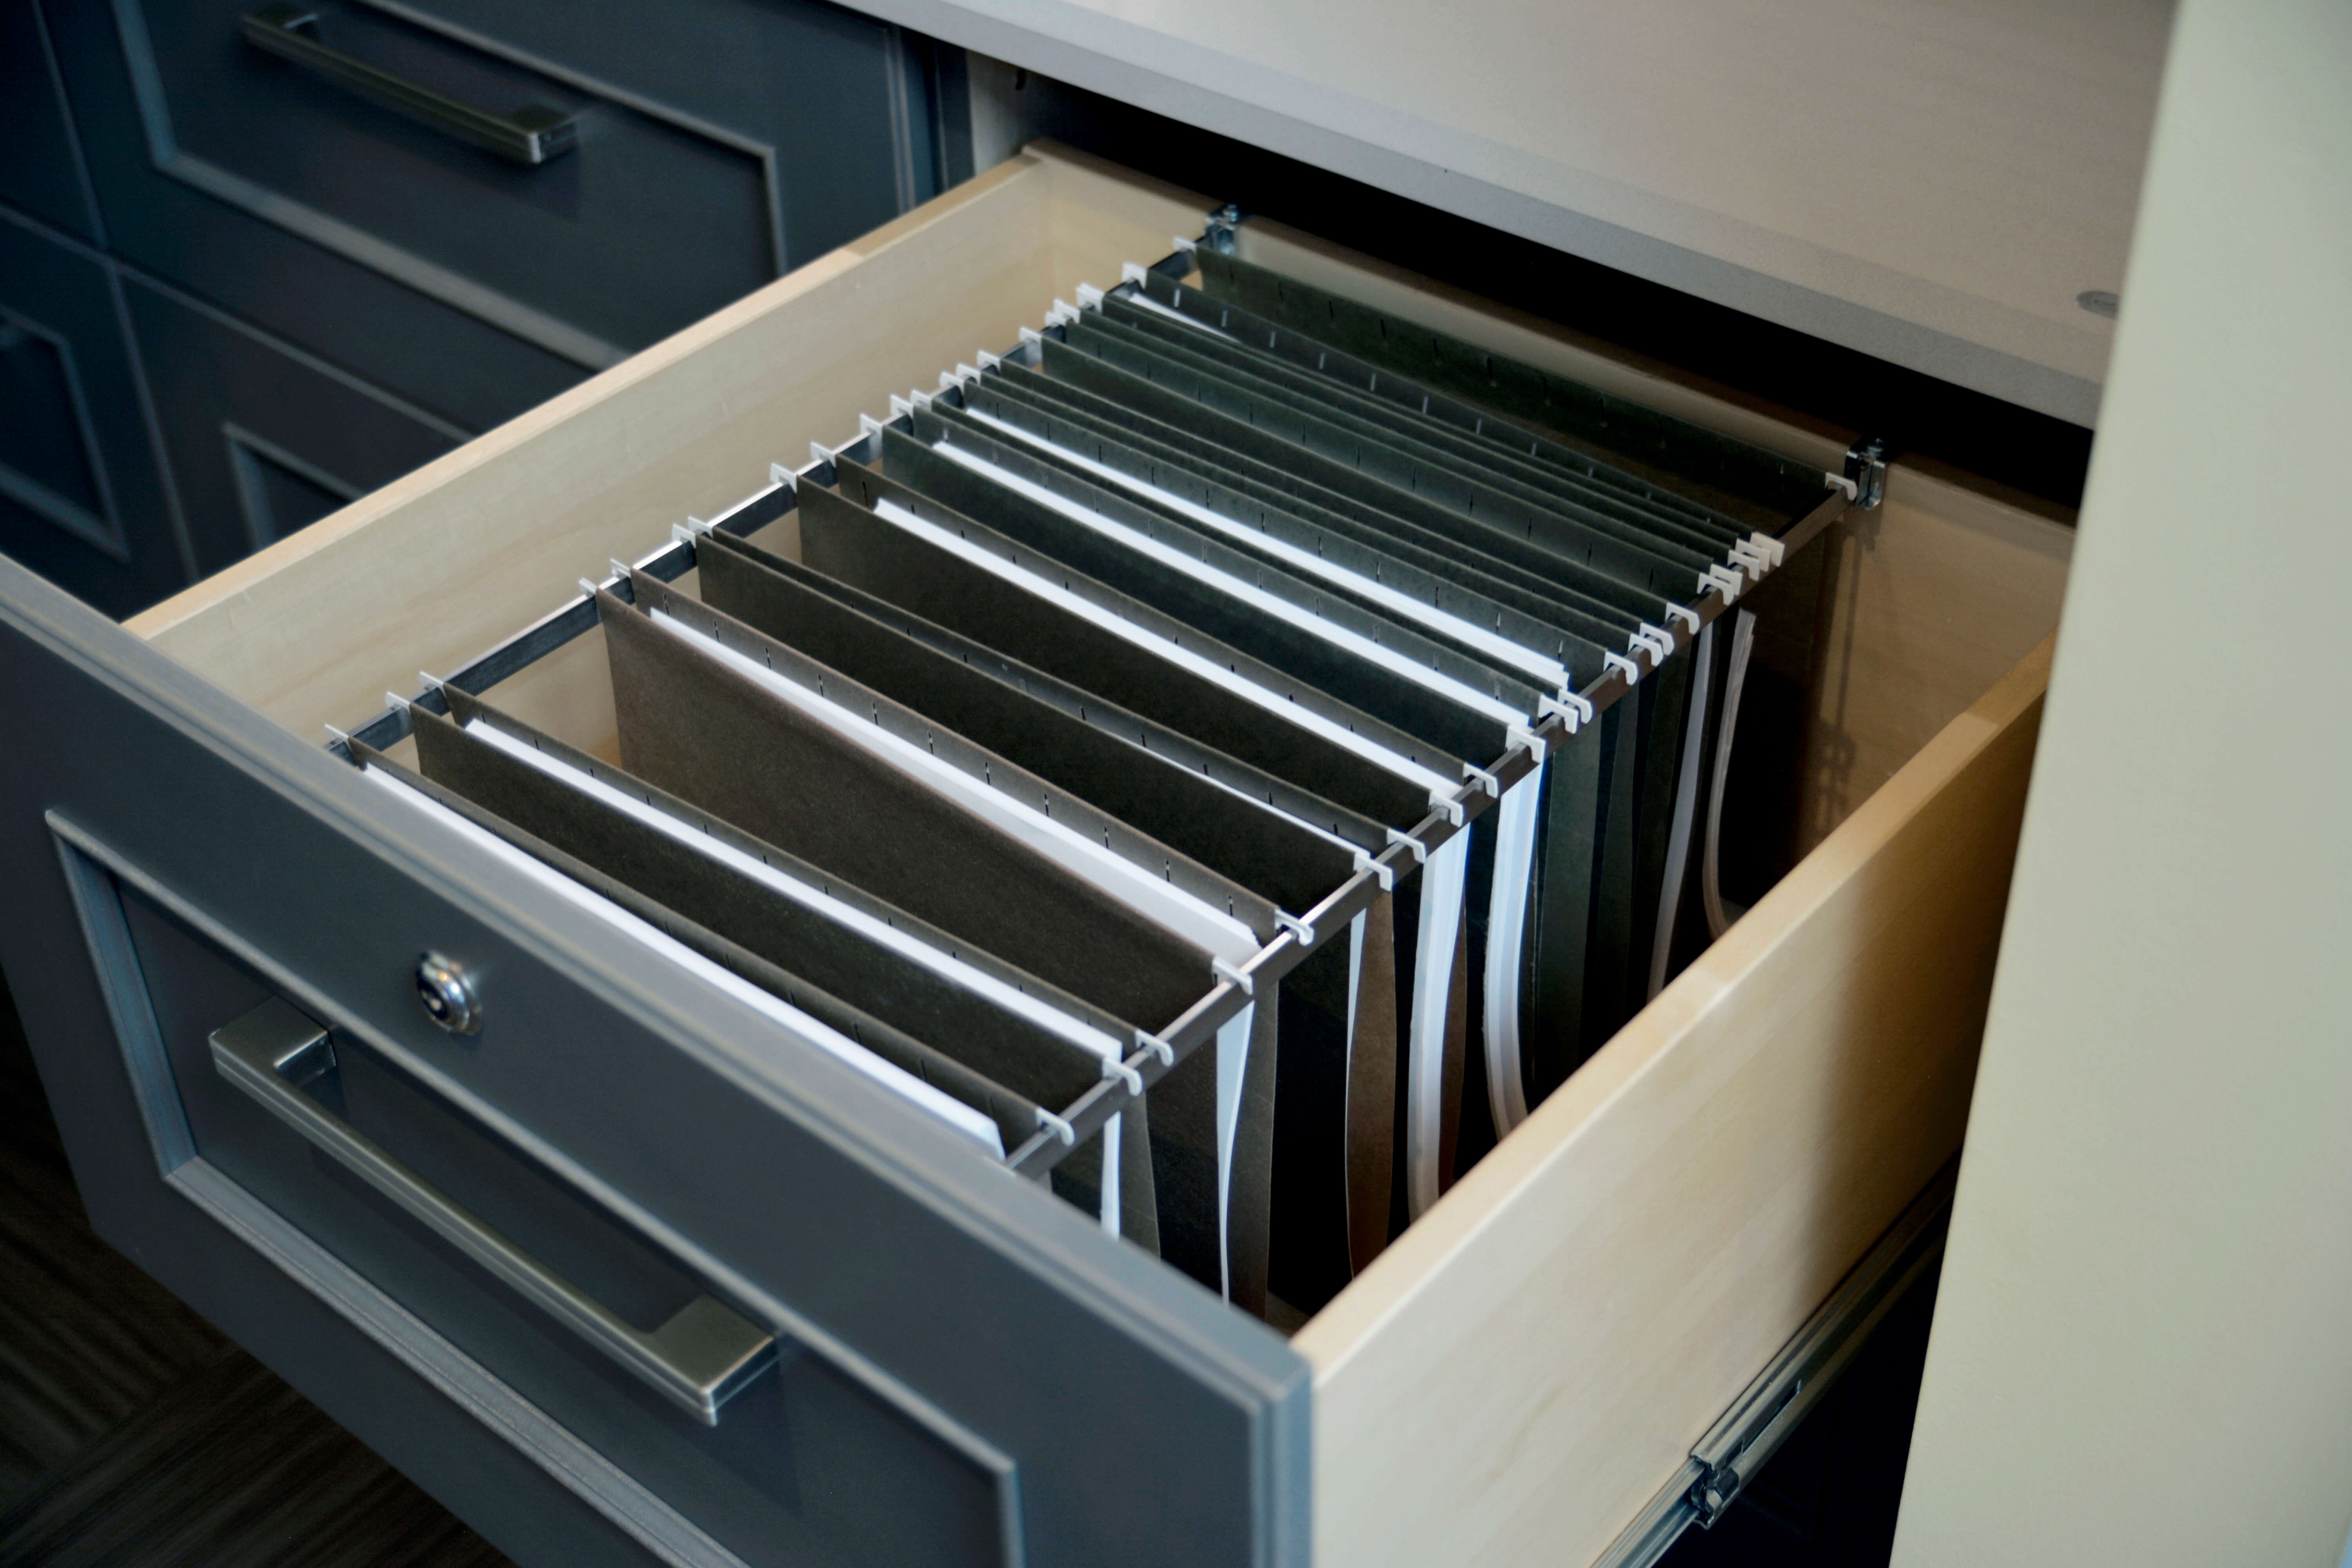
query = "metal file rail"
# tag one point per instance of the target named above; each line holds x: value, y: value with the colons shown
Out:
x: 1129, y: 1079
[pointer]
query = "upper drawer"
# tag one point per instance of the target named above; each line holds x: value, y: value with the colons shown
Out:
x: 536, y: 171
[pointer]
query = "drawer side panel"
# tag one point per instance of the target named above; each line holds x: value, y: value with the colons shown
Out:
x: 1529, y: 1364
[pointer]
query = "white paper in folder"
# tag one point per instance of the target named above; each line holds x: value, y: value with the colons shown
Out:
x: 965, y: 1119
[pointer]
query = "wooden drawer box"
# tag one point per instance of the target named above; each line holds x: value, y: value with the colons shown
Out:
x: 1509, y: 1383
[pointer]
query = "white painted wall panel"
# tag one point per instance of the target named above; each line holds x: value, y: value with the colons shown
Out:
x: 2142, y: 1350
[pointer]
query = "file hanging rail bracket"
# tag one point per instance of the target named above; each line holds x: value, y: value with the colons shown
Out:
x: 1865, y: 472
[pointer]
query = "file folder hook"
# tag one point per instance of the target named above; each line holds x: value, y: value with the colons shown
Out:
x: 1382, y: 872
x: 1527, y: 740
x: 1574, y: 709
x: 1238, y: 978
x: 1049, y: 1121
x: 1296, y: 927
x: 1618, y: 661
x: 1724, y: 579
x: 1485, y: 780
x: 1685, y: 614
x: 1132, y: 272
x: 1147, y: 1044
x: 1659, y: 641
x: 1419, y: 851
x: 1089, y: 296
x: 1112, y: 1067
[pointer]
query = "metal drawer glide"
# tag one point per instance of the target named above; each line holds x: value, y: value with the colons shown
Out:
x: 1751, y: 1431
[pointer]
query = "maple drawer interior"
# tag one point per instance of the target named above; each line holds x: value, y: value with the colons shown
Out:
x: 1587, y: 1299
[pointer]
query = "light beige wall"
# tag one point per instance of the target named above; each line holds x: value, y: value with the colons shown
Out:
x: 2143, y: 1348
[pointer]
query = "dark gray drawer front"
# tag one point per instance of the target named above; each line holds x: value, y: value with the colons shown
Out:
x: 435, y: 355
x: 263, y: 440
x: 652, y: 211
x: 36, y: 152
x: 81, y: 498
x: 946, y: 1322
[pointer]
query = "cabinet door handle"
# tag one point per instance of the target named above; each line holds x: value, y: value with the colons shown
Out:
x: 702, y: 1357
x: 532, y: 134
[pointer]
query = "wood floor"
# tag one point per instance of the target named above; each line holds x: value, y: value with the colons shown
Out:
x: 134, y: 1435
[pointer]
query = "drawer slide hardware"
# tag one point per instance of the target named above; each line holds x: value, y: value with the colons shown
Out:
x: 1740, y: 1445
x: 699, y: 1359
x: 1865, y: 472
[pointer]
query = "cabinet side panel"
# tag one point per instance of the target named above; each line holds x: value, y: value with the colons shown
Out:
x: 1516, y: 1377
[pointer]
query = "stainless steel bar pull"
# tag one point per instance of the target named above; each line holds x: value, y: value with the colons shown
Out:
x: 703, y: 1355
x: 532, y: 134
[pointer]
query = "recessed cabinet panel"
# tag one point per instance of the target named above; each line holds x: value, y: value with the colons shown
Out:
x: 81, y: 500
x: 36, y: 152
x: 802, y: 1467
x: 535, y: 185
x: 261, y: 440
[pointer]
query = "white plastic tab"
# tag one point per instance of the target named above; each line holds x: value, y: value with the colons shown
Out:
x: 1031, y: 335
x: 899, y: 406
x: 1296, y: 927
x: 919, y: 399
x: 1574, y: 709
x: 1124, y: 1075
x: 1236, y: 977
x: 1658, y: 641
x: 1483, y: 780
x: 1132, y: 272
x: 1147, y: 1044
x: 987, y: 361
x: 1382, y: 872
x: 1414, y: 846
x: 1090, y: 296
x: 1686, y: 614
x: 1446, y: 803
x: 1187, y: 245
x: 1771, y: 549
x: 1049, y: 1121
x: 781, y: 475
x: 966, y: 372
x: 1630, y: 668
x: 1725, y: 581
x: 1840, y: 482
x: 1748, y: 555
x: 1527, y: 740
x: 868, y: 425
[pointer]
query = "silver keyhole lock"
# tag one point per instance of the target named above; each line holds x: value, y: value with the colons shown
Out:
x: 446, y: 991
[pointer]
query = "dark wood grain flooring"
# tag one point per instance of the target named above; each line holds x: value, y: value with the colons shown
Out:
x: 133, y: 1434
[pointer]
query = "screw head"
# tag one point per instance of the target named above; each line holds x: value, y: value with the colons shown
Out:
x: 447, y: 993
x: 2099, y: 302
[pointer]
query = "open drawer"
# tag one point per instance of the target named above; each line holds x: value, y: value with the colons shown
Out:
x: 923, y: 1367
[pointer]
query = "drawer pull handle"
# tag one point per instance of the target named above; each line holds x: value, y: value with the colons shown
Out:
x: 532, y: 134
x: 700, y: 1358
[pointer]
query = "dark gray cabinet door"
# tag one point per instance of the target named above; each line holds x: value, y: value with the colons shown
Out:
x: 968, y: 1370
x: 39, y: 169
x: 693, y: 150
x: 81, y: 498
x: 434, y: 354
x: 263, y: 440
